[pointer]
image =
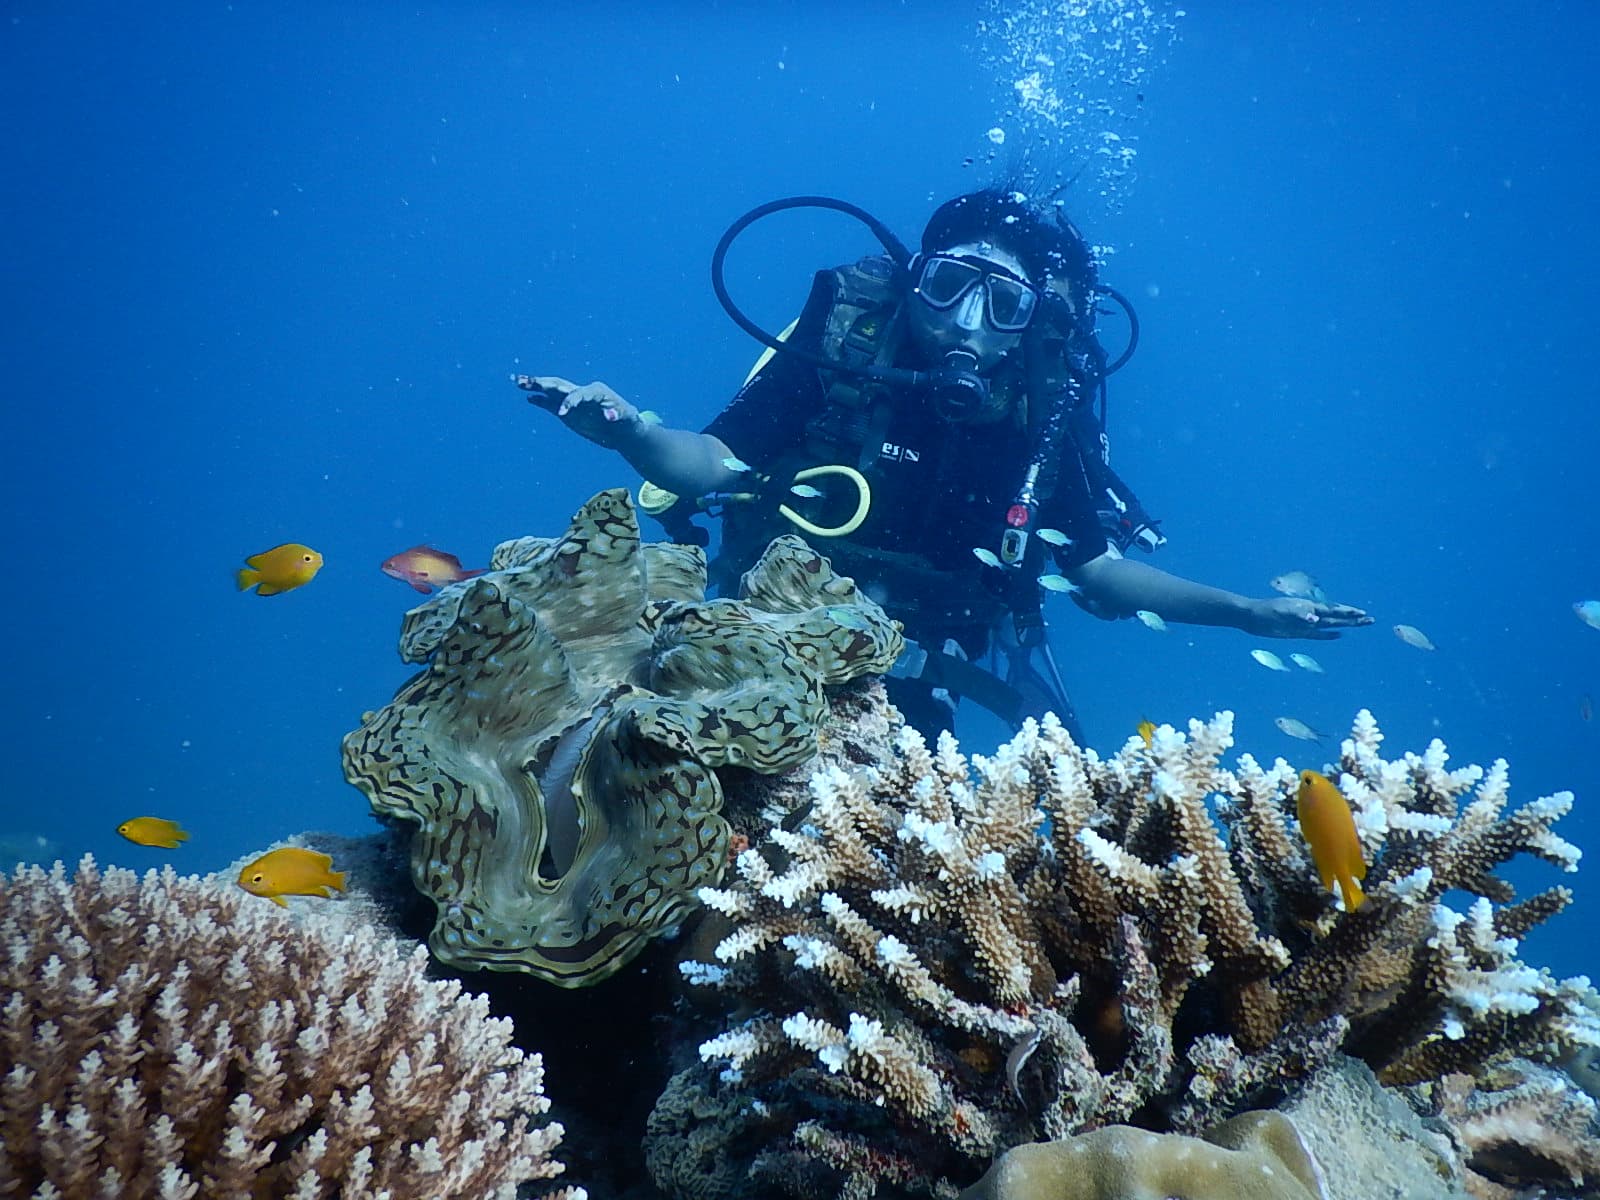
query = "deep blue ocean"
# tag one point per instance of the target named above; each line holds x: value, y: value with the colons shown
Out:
x: 269, y: 266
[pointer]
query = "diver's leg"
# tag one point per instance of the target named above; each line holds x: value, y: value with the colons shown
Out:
x: 925, y: 710
x: 1032, y: 670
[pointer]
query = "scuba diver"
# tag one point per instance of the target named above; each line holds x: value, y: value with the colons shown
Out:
x: 933, y: 423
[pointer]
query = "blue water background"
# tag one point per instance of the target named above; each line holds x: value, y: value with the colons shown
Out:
x: 270, y: 265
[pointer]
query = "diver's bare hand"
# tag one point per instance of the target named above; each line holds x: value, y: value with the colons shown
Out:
x: 591, y: 410
x: 1292, y: 617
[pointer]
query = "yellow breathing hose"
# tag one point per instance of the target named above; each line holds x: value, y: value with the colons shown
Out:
x: 656, y: 500
x: 863, y: 501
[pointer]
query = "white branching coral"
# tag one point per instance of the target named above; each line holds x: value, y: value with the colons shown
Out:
x: 1042, y: 941
x: 174, y: 1037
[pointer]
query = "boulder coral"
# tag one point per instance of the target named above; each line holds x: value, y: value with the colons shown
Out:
x: 1254, y: 1156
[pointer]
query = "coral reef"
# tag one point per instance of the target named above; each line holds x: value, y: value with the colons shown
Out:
x: 559, y: 753
x: 1523, y: 1127
x: 1369, y: 1141
x: 175, y: 1037
x: 1254, y: 1156
x: 934, y: 959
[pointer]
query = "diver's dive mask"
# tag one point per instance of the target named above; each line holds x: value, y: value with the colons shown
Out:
x: 945, y: 280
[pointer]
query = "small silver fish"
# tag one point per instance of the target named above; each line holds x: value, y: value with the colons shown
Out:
x: 848, y: 616
x: 805, y: 491
x: 1298, y: 583
x: 736, y: 464
x: 1307, y: 662
x: 1297, y: 729
x: 1588, y: 611
x: 987, y: 557
x: 1268, y: 659
x: 1412, y: 636
x: 1058, y: 583
x: 649, y: 416
x: 1151, y: 620
x: 1055, y: 537
x: 1018, y: 1058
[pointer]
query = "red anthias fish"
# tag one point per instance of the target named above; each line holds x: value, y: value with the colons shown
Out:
x: 426, y: 569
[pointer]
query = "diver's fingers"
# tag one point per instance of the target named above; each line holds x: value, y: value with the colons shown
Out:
x: 1342, y: 614
x: 606, y: 401
x: 547, y: 391
x: 551, y: 384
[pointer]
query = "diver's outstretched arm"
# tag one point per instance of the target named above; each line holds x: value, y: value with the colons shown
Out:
x: 1121, y: 587
x: 683, y: 462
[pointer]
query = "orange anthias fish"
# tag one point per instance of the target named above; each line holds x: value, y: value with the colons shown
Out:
x: 426, y: 569
x: 1330, y: 831
x: 291, y: 871
x: 153, y: 831
x: 281, y: 569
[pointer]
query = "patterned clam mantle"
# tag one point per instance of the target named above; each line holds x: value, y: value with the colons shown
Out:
x: 558, y: 754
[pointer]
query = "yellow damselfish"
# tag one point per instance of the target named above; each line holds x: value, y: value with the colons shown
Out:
x: 291, y: 871
x: 153, y: 831
x: 1147, y: 730
x: 281, y: 569
x: 1330, y: 831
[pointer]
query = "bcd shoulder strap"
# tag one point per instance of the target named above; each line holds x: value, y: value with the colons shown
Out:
x: 863, y: 326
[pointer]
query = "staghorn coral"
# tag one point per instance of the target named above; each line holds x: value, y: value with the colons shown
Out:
x: 174, y: 1037
x: 1523, y: 1127
x: 949, y: 957
x: 558, y: 755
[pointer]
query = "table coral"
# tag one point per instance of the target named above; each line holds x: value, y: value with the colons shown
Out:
x: 559, y: 753
x: 174, y: 1036
x: 934, y: 958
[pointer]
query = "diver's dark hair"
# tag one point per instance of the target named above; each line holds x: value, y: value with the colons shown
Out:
x: 1045, y: 242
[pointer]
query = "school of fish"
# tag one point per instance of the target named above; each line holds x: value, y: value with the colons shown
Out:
x: 1323, y: 813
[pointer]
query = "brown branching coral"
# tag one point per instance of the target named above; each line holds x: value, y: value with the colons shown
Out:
x: 1522, y: 1127
x: 174, y: 1037
x: 938, y: 958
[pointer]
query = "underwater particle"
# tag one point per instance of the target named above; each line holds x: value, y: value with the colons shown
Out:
x: 997, y: 136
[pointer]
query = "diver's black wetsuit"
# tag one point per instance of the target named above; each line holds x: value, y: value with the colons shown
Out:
x: 938, y: 491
